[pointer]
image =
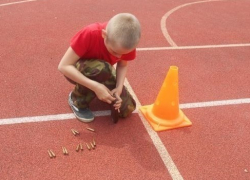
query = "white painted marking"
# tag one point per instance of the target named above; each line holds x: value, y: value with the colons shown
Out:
x: 56, y: 117
x: 215, y: 103
x: 18, y: 2
x: 165, y: 156
x: 193, y: 47
x: 168, y: 162
x: 163, y: 152
x: 107, y: 112
x: 164, y: 19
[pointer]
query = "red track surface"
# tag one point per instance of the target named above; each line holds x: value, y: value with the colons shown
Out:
x: 211, y: 23
x: 118, y: 154
x: 215, y: 147
x: 204, y: 74
x: 34, y: 36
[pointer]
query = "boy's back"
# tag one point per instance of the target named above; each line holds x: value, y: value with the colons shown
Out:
x: 88, y: 43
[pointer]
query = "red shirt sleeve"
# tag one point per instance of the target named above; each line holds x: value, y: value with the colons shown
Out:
x: 80, y: 42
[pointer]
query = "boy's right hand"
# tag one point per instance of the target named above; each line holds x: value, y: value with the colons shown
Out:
x: 104, y: 94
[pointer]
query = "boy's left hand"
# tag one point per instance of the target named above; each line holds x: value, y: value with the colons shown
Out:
x: 118, y: 102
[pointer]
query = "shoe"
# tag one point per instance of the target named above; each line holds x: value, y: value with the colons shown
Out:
x: 83, y: 114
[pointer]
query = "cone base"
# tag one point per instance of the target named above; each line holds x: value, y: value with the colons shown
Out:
x: 159, y: 124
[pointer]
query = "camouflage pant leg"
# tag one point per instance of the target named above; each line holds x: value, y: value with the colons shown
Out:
x: 96, y: 70
x: 102, y: 72
x: 128, y: 103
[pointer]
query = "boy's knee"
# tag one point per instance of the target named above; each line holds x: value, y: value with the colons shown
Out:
x: 95, y: 69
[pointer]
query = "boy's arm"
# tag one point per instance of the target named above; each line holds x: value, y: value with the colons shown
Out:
x: 67, y: 68
x: 121, y: 71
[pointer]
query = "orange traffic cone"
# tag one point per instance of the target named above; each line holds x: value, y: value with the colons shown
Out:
x: 165, y: 113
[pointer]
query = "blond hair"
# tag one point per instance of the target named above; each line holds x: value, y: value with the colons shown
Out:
x: 124, y: 29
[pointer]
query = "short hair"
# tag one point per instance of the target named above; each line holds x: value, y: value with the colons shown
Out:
x: 124, y: 29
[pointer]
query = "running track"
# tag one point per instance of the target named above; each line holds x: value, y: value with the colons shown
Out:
x: 208, y: 40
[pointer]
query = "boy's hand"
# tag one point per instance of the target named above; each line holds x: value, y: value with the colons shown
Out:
x: 104, y: 94
x: 118, y: 102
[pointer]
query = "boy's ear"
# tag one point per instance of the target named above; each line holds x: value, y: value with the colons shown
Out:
x: 104, y: 33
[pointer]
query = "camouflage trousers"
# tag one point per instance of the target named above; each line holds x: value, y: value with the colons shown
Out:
x: 102, y: 72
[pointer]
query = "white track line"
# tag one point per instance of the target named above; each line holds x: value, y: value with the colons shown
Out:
x: 18, y: 2
x: 168, y: 162
x: 56, y: 117
x: 107, y: 112
x: 164, y: 19
x: 194, y: 47
x: 165, y: 156
x: 215, y: 103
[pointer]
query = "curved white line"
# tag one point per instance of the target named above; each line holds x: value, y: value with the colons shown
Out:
x: 18, y: 2
x: 164, y: 18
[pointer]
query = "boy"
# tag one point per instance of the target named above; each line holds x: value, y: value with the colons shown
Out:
x: 88, y: 63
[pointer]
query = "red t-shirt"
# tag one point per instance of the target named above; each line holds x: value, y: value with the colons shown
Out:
x: 88, y: 43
